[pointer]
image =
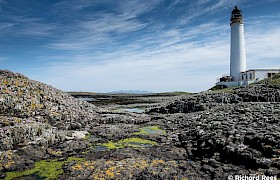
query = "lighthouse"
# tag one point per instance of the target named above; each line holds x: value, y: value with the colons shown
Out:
x: 237, y: 46
x: 239, y: 76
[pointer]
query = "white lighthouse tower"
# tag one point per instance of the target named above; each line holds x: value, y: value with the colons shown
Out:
x: 237, y: 47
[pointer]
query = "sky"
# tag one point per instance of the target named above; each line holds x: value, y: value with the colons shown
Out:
x: 149, y: 45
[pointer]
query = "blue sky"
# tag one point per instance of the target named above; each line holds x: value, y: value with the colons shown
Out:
x: 154, y: 45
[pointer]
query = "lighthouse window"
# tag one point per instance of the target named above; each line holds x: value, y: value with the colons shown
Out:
x: 251, y: 76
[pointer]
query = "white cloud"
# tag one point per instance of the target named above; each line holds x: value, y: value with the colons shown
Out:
x: 87, y: 34
x: 132, y: 9
x: 5, y: 26
x: 74, y: 5
x: 19, y: 26
x: 204, y: 7
x: 262, y: 48
x: 111, y: 23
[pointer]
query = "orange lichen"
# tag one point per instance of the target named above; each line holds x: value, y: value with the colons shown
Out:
x: 110, y: 172
x: 90, y: 167
x: 33, y: 105
x: 128, y: 168
x: 86, y: 163
x: 17, y: 120
x: 9, y: 157
x: 54, y: 152
x: 158, y: 161
x: 5, y: 81
x: 155, y: 173
x: 77, y: 167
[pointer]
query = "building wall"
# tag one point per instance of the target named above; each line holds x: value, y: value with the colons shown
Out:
x: 257, y: 74
x: 262, y: 74
x: 250, y: 76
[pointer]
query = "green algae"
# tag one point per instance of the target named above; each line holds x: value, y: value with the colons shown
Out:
x: 150, y: 130
x: 44, y: 169
x: 112, y: 145
x: 137, y: 142
x: 129, y: 142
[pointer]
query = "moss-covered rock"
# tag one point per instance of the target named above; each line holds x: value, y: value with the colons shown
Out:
x: 129, y: 142
x: 46, y: 169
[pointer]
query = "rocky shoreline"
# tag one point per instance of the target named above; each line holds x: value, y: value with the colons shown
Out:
x: 48, y: 134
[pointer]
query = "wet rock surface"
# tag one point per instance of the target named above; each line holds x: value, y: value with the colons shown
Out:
x: 46, y: 133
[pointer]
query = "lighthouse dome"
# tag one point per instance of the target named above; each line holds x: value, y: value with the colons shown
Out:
x: 236, y: 11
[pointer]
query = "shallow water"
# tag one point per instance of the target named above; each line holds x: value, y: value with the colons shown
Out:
x: 87, y: 99
x: 100, y: 148
x: 133, y: 110
x: 139, y: 144
x: 152, y: 131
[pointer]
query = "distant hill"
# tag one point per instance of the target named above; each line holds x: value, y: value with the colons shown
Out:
x: 130, y: 92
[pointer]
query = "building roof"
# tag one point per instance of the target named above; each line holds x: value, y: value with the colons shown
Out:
x: 271, y: 69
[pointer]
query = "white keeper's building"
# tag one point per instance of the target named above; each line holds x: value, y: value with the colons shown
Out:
x: 239, y: 76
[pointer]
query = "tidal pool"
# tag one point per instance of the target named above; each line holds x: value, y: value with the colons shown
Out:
x: 150, y: 130
x: 87, y: 99
x: 133, y: 110
x: 100, y: 148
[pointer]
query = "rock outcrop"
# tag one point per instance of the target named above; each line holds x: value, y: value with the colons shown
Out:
x: 25, y: 98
